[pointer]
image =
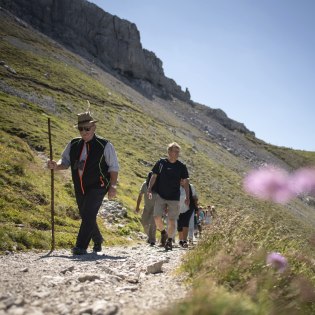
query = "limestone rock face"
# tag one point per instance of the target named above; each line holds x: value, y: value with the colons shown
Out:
x: 97, y: 35
x: 220, y: 116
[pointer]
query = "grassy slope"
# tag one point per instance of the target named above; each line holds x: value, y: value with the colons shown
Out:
x: 247, y: 228
x: 294, y: 158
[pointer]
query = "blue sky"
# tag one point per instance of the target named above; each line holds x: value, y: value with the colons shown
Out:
x: 253, y: 59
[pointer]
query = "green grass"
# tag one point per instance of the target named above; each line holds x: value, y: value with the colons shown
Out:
x: 293, y: 158
x: 210, y: 299
x: 232, y: 257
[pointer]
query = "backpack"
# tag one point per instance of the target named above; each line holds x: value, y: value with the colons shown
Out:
x: 154, y: 187
x: 147, y: 181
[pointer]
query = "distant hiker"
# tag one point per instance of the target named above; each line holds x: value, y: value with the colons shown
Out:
x: 200, y: 220
x: 168, y: 173
x: 191, y: 228
x: 210, y: 214
x: 147, y: 218
x: 186, y: 212
x: 94, y: 168
x: 193, y: 225
x: 213, y: 212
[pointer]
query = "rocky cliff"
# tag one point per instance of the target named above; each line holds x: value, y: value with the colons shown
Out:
x: 109, y: 41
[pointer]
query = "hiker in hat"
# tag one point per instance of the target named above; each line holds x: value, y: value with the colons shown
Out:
x: 167, y: 174
x: 94, y: 168
x: 147, y: 218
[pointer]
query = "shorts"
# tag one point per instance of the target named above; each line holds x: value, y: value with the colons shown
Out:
x: 171, y: 205
x: 183, y: 220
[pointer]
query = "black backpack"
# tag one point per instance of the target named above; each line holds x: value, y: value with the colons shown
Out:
x: 147, y: 181
x: 154, y: 187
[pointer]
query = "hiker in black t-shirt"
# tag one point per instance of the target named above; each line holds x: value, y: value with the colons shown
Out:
x: 167, y: 174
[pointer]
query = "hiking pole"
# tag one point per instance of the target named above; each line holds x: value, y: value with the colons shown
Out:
x: 52, y: 193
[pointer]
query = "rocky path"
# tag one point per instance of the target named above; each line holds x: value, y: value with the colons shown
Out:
x: 121, y: 280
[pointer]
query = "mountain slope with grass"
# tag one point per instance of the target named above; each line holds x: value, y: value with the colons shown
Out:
x: 40, y: 79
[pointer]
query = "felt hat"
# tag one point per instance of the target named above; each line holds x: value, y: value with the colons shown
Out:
x: 85, y: 119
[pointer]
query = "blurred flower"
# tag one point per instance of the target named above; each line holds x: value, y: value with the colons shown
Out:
x: 303, y: 181
x: 269, y: 183
x: 275, y: 184
x: 277, y: 261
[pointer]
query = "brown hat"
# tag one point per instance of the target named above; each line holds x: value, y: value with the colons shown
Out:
x: 85, y: 118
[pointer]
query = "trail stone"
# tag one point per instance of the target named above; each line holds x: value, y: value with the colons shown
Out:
x: 155, y: 267
x: 41, y: 294
x: 88, y: 278
x: 104, y: 308
x: 70, y: 269
x: 33, y: 311
x: 13, y: 301
x: 16, y: 311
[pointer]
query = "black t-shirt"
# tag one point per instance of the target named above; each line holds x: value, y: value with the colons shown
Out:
x: 169, y: 176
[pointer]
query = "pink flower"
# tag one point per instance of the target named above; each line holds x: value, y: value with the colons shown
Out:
x: 275, y: 184
x: 303, y: 181
x: 277, y: 261
x: 269, y: 183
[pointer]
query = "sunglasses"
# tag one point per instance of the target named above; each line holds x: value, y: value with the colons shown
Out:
x: 84, y: 128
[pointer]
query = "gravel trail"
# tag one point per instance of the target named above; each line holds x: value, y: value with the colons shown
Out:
x: 137, y: 279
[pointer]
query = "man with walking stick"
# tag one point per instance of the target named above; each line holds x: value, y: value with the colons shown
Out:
x: 94, y: 168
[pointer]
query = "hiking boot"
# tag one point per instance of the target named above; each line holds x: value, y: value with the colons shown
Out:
x: 180, y: 243
x: 78, y: 251
x: 97, y: 247
x: 169, y: 244
x: 163, y: 238
x: 184, y: 244
x: 152, y: 243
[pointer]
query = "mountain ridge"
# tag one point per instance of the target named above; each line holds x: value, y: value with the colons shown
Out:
x: 99, y: 36
x: 110, y: 42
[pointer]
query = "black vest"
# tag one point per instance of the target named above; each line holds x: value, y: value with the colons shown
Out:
x: 95, y: 169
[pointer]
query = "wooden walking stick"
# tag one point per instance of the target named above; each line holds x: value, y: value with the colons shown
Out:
x: 52, y: 193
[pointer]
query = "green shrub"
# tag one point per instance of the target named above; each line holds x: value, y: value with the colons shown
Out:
x: 40, y: 224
